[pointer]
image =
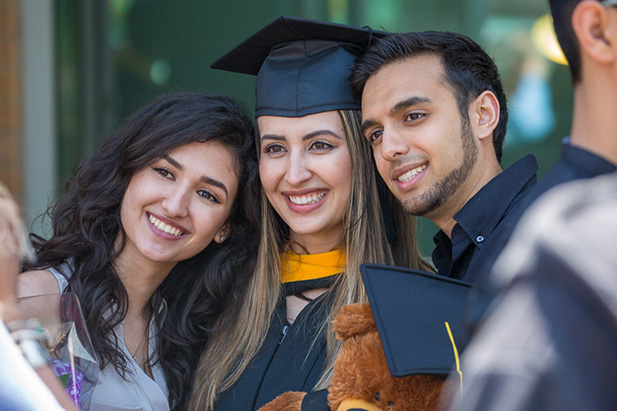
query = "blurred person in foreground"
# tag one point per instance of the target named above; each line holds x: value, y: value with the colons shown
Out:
x: 585, y: 32
x: 548, y: 340
x: 20, y: 386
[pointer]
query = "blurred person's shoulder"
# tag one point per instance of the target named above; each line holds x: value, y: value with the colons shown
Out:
x: 573, y: 224
x: 32, y: 283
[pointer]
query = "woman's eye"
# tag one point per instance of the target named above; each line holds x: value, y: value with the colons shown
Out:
x: 274, y: 148
x: 209, y: 196
x: 163, y: 172
x: 320, y: 145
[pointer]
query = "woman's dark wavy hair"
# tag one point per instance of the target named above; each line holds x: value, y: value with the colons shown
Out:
x: 86, y: 225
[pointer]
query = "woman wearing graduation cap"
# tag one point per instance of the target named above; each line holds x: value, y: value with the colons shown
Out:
x: 321, y: 218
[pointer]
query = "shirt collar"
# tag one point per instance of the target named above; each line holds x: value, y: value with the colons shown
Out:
x: 482, y: 213
x: 586, y: 164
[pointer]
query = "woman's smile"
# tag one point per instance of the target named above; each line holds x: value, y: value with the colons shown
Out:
x: 306, y: 202
x: 166, y: 230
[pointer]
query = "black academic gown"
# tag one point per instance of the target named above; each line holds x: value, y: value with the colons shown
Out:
x: 287, y: 361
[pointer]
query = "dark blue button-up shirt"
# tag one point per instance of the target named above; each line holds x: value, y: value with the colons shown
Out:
x: 479, y: 219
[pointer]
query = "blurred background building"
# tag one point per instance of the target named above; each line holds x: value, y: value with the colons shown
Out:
x: 72, y: 70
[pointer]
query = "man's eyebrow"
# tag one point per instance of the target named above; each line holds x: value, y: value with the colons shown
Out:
x: 366, y: 124
x: 408, y: 102
x: 398, y: 107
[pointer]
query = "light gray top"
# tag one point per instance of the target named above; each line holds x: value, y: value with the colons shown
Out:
x: 137, y: 391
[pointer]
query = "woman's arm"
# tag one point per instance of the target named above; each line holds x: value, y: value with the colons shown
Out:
x: 32, y: 284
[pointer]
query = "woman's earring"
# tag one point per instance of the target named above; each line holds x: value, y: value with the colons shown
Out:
x: 223, y: 234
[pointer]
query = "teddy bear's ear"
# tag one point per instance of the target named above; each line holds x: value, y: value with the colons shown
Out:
x: 290, y: 400
x: 354, y: 319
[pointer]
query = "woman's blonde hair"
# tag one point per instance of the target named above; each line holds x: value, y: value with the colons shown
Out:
x: 232, y: 348
x: 13, y: 234
x: 14, y: 243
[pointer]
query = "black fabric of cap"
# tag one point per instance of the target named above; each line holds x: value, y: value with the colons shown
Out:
x: 411, y: 308
x: 302, y: 65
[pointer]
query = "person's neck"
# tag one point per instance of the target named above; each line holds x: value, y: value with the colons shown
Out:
x: 315, y: 243
x: 594, y: 120
x: 141, y: 279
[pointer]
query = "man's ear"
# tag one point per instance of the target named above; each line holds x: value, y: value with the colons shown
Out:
x: 595, y: 31
x: 223, y: 233
x: 485, y: 114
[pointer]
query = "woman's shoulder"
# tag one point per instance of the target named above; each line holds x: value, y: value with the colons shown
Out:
x: 31, y: 283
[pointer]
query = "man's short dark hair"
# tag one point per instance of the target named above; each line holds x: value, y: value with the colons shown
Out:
x: 468, y: 69
x: 562, y: 10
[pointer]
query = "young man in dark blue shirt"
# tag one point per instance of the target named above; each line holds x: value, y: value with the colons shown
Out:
x: 414, y: 87
x: 434, y: 111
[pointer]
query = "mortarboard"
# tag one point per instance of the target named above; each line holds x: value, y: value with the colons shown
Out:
x: 302, y: 65
x: 411, y: 308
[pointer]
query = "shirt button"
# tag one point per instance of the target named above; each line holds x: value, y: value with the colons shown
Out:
x: 479, y: 238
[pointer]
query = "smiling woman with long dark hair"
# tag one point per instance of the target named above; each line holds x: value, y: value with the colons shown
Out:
x: 155, y: 235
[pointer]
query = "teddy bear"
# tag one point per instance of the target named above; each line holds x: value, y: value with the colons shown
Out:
x: 361, y: 379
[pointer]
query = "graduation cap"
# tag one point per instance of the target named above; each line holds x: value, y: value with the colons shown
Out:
x: 418, y: 314
x: 302, y: 65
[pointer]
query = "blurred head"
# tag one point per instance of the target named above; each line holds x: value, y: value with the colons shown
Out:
x: 589, y: 27
x: 14, y: 246
x: 13, y: 234
x: 561, y: 11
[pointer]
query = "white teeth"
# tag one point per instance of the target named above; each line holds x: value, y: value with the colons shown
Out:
x: 411, y: 174
x: 311, y: 199
x: 165, y: 227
